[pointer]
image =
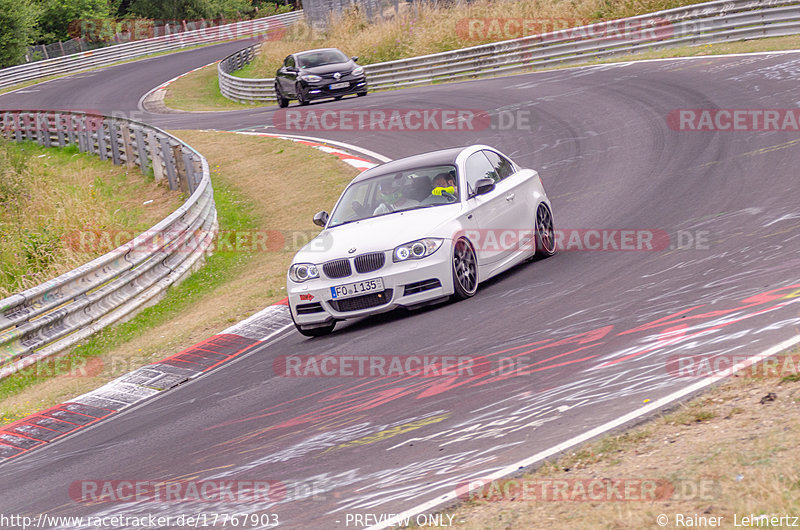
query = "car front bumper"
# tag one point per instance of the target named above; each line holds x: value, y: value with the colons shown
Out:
x: 322, y: 89
x: 406, y: 284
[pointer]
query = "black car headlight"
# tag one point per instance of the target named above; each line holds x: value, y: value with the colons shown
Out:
x: 359, y: 70
x: 301, y: 272
x: 419, y: 249
x: 311, y: 78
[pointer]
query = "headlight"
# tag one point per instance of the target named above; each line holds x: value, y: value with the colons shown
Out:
x: 359, y: 70
x: 311, y: 78
x: 300, y: 272
x: 417, y: 249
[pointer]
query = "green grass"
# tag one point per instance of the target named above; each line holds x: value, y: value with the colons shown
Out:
x: 249, y: 71
x: 49, y: 194
x: 199, y: 91
x: 234, y: 213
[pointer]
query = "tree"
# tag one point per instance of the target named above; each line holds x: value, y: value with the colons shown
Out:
x: 17, y: 30
x: 189, y: 9
x: 57, y: 15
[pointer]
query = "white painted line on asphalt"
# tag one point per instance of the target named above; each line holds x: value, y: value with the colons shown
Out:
x: 591, y: 433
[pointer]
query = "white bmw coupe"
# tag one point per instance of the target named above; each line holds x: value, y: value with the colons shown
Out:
x: 416, y: 231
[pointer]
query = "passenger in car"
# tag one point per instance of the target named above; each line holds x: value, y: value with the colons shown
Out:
x: 444, y: 183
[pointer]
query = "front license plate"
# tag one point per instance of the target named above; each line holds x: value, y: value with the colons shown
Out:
x: 339, y: 85
x: 357, y: 288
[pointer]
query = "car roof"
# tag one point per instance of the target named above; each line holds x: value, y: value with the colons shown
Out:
x: 433, y: 158
x: 318, y: 50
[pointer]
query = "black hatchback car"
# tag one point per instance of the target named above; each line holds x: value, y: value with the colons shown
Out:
x: 315, y: 74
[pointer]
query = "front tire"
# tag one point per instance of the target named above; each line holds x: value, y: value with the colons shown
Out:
x: 465, y: 270
x: 301, y: 97
x: 361, y: 94
x: 283, y: 101
x: 545, y: 233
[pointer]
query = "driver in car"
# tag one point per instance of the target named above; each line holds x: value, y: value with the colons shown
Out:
x: 393, y: 198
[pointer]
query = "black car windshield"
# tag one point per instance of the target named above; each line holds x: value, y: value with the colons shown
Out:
x: 396, y: 192
x: 321, y: 58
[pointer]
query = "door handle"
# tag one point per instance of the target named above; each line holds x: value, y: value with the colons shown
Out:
x: 510, y: 197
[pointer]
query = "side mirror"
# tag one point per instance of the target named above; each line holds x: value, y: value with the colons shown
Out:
x: 354, y: 58
x: 321, y: 218
x: 483, y: 186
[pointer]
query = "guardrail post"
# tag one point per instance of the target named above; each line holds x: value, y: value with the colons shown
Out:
x: 19, y: 131
x: 71, y: 129
x: 102, y: 148
x: 197, y: 164
x: 169, y: 163
x: 84, y: 135
x: 7, y: 124
x: 114, y: 140
x: 188, y: 169
x: 180, y: 168
x: 59, y: 122
x: 42, y: 130
x: 141, y: 148
x: 155, y: 156
x: 25, y: 126
x: 127, y: 145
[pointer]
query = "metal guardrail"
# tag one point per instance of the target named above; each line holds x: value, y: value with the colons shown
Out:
x: 131, y: 50
x: 59, y: 313
x: 711, y: 22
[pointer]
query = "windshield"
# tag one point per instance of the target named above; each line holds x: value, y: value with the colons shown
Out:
x: 321, y: 58
x: 396, y: 192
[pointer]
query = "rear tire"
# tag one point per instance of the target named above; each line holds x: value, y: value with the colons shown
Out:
x: 545, y: 233
x: 465, y: 270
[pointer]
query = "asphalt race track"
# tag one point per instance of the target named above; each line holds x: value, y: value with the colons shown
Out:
x: 592, y: 334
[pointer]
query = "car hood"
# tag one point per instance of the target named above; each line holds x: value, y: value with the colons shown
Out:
x: 378, y: 233
x: 329, y: 68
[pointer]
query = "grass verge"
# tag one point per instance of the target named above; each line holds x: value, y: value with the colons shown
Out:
x: 49, y: 196
x: 237, y: 281
x: 199, y: 91
x: 731, y: 451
